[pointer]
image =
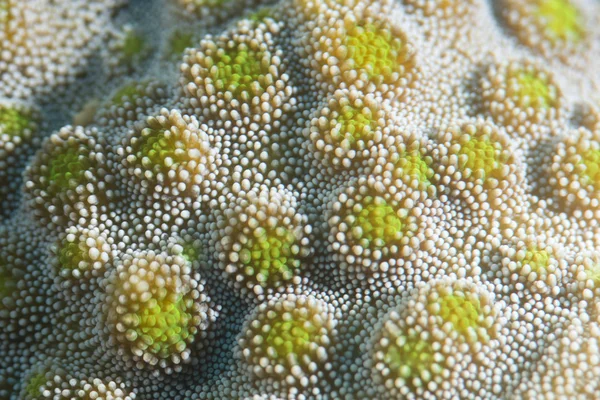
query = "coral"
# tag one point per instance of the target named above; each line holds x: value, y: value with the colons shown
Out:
x: 411, y: 352
x: 19, y: 136
x: 266, y: 240
x: 289, y: 337
x: 299, y: 199
x: 155, y: 308
x: 546, y: 24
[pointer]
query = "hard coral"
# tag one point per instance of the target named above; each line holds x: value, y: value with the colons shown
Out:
x: 307, y: 199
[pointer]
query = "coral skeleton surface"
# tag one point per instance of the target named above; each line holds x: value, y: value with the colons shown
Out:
x: 299, y: 199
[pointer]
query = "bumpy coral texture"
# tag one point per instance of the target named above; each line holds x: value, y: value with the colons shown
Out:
x: 299, y: 199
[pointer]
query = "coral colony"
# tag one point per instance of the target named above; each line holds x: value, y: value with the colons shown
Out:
x: 302, y: 199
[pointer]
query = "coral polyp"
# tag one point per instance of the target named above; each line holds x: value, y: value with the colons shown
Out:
x: 154, y: 308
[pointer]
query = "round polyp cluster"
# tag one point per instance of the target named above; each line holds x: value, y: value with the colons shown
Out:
x: 478, y: 163
x: 19, y: 135
x: 238, y: 74
x: 154, y: 308
x: 547, y: 25
x: 266, y: 239
x: 291, y: 337
x: 347, y: 130
x: 66, y: 181
x: 44, y: 52
x: 170, y: 154
x: 382, y: 231
x: 518, y: 95
x: 423, y: 347
x: 362, y: 52
x: 572, y: 172
x: 532, y: 265
x: 82, y: 252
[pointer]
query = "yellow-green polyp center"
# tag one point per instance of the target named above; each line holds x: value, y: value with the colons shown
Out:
x: 180, y: 41
x: 130, y: 92
x: 480, y: 154
x: 163, y: 325
x: 13, y: 122
x: 133, y: 46
x: 354, y: 124
x: 374, y: 50
x: 261, y: 14
x: 415, y: 166
x: 190, y: 253
x: 537, y: 260
x: 462, y: 312
x: 410, y: 357
x: 35, y: 384
x: 71, y: 254
x: 593, y: 273
x: 533, y: 91
x: 68, y: 167
x: 4, y: 13
x: 238, y: 71
x: 291, y: 336
x: 269, y: 255
x: 377, y: 224
x: 160, y: 149
x: 591, y: 174
x: 561, y: 19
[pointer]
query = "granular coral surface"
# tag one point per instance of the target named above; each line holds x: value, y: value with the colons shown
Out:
x: 307, y: 199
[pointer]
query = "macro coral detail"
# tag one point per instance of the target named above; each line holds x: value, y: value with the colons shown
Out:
x: 299, y: 199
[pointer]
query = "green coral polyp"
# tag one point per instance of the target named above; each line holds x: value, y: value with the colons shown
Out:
x: 261, y: 14
x: 415, y: 166
x: 238, y: 71
x: 180, y: 41
x: 190, y: 253
x: 162, y: 149
x: 13, y: 121
x: 34, y: 385
x: 538, y: 260
x: 130, y: 92
x: 377, y: 224
x: 354, y: 124
x: 593, y: 273
x: 561, y: 20
x: 270, y: 255
x: 133, y: 46
x: 67, y: 168
x: 463, y: 312
x: 591, y: 174
x: 163, y: 325
x: 533, y: 91
x: 410, y: 357
x: 374, y: 50
x: 290, y: 336
x: 480, y: 154
x: 71, y: 254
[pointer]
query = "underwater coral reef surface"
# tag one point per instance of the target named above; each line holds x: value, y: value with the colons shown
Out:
x: 299, y: 199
